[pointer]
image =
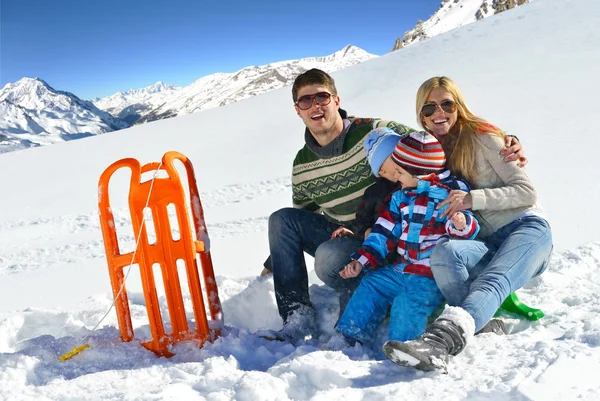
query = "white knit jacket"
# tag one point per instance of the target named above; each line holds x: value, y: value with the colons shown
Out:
x: 501, y: 191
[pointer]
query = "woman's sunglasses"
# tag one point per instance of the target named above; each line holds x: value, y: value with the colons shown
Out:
x: 307, y: 101
x: 447, y: 106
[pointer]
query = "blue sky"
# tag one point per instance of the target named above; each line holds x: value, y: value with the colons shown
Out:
x: 96, y: 48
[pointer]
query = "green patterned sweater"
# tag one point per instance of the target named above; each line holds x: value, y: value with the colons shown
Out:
x: 335, y: 185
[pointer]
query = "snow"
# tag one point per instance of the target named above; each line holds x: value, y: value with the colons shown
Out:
x: 526, y: 70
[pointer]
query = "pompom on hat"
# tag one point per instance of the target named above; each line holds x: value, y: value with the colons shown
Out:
x: 419, y: 153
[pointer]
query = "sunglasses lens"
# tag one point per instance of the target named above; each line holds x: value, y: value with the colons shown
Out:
x: 305, y: 102
x: 323, y: 98
x: 448, y: 106
x: 428, y: 110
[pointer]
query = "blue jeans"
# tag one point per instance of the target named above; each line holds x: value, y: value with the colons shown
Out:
x: 479, y: 276
x: 293, y: 232
x: 413, y: 299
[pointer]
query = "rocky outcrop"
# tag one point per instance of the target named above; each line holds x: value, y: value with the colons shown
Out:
x: 417, y: 33
x: 498, y: 6
x: 398, y: 45
x: 482, y: 12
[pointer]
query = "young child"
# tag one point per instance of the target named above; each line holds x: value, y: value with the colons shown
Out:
x: 410, y: 226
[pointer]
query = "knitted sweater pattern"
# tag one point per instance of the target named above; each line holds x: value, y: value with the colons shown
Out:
x: 335, y: 185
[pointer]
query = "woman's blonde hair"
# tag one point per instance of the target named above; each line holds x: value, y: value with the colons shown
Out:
x: 459, y: 143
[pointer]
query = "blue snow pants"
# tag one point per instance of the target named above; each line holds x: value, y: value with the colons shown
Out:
x: 412, y: 298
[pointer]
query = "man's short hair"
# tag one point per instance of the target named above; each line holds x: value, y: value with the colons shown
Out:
x: 313, y: 77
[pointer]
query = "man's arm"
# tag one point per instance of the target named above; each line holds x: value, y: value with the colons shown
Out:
x: 400, y: 129
x: 513, y: 150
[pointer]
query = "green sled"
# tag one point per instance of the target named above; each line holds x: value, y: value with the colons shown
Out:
x: 514, y: 305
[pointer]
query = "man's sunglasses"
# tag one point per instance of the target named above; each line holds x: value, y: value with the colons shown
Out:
x: 447, y: 106
x: 306, y: 102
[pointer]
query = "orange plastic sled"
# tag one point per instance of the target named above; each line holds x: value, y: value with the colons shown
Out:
x: 165, y: 251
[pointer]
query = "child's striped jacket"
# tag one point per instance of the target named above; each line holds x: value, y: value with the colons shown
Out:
x: 411, y: 226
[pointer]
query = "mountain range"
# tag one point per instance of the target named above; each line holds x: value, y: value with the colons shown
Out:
x: 162, y: 101
x: 32, y: 113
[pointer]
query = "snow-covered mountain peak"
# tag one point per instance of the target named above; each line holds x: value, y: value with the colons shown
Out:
x: 36, y: 94
x: 131, y: 95
x: 351, y: 51
x: 159, y: 87
x: 33, y: 107
x: 28, y: 92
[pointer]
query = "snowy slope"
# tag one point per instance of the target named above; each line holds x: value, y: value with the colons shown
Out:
x: 531, y: 77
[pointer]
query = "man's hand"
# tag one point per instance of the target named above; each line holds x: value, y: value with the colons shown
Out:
x: 351, y: 270
x: 341, y: 232
x: 459, y: 220
x: 513, y: 150
x: 456, y: 200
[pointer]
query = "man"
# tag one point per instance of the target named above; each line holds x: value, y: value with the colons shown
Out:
x: 330, y: 174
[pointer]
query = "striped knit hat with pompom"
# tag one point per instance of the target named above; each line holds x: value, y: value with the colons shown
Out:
x: 420, y: 153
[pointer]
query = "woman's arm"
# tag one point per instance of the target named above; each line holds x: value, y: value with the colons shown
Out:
x: 517, y: 190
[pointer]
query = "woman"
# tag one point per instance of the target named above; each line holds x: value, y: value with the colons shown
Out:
x: 475, y: 277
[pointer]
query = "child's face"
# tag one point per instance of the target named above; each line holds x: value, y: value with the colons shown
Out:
x: 393, y: 172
